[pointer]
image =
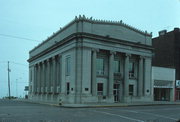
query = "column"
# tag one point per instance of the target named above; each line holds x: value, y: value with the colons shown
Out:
x: 111, y: 74
x: 94, y: 83
x: 35, y: 79
x: 44, y: 74
x: 58, y: 72
x: 39, y: 78
x: 54, y: 74
x: 42, y: 77
x: 126, y: 75
x: 140, y: 77
x: 48, y: 77
x: 51, y: 73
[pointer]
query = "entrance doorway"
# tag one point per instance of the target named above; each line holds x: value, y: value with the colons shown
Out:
x: 116, y: 92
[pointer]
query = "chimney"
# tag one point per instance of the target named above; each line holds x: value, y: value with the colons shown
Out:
x: 176, y: 30
x: 163, y: 32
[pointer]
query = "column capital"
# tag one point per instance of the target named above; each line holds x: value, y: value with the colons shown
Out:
x: 59, y: 55
x: 95, y: 50
x: 141, y: 57
x: 112, y: 52
x: 48, y: 60
x: 127, y: 55
x: 43, y: 62
x: 38, y: 64
x: 147, y: 57
x: 53, y: 57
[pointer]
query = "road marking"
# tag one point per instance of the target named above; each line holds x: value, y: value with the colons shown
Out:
x: 123, y: 110
x: 132, y: 111
x: 162, y: 116
x: 161, y: 109
x: 137, y: 120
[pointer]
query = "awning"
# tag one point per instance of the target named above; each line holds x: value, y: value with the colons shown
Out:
x: 163, y: 84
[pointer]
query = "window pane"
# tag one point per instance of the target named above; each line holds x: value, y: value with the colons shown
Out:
x: 100, y: 86
x: 116, y: 66
x: 100, y: 65
x: 130, y: 89
x: 68, y: 66
x: 131, y: 67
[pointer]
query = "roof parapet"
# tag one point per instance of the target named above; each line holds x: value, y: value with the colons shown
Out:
x: 121, y: 23
x: 84, y: 18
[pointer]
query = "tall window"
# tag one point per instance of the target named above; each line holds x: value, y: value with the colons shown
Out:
x: 116, y: 66
x: 131, y: 69
x: 100, y: 66
x: 68, y: 66
x: 67, y: 88
x: 30, y: 75
x: 131, y: 89
x: 100, y: 88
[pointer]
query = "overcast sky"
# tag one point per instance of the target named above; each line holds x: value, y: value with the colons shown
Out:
x: 37, y: 19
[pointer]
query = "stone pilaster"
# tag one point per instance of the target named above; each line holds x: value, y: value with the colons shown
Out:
x: 59, y: 71
x: 140, y: 77
x: 94, y: 83
x: 54, y: 73
x: 126, y: 75
x: 111, y: 74
x: 35, y: 79
x: 38, y: 78
x: 43, y: 77
x: 48, y: 76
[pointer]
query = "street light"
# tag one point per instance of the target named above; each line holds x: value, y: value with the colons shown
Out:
x: 17, y: 87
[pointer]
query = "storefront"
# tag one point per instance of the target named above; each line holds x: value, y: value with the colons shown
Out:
x: 162, y: 90
x: 177, y: 92
x: 163, y: 80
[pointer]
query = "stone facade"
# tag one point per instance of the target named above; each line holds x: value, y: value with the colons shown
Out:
x: 90, y: 61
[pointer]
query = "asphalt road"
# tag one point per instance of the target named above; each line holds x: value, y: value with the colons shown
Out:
x: 17, y: 111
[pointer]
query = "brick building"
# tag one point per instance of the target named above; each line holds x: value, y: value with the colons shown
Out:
x: 167, y: 53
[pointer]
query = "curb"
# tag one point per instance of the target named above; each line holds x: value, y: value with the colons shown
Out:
x: 98, y: 106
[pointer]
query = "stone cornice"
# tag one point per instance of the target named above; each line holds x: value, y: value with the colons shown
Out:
x: 90, y: 36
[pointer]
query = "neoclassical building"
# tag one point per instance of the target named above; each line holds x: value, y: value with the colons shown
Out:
x: 91, y: 61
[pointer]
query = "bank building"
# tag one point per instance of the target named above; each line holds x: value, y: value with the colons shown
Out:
x: 92, y: 61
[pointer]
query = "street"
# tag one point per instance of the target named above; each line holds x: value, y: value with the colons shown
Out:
x: 17, y: 111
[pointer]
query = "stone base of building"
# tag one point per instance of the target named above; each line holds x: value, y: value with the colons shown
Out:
x: 84, y: 99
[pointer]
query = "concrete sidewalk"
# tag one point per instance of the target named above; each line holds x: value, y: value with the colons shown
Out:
x: 120, y: 104
x: 95, y: 105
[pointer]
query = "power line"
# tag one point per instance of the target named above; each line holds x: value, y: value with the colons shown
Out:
x: 18, y: 37
x: 18, y: 63
x: 12, y: 62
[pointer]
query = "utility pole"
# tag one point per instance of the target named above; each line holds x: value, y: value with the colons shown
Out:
x: 9, y: 89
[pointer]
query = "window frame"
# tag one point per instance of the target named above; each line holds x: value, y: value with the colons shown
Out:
x: 100, y: 68
x: 67, y: 65
x: 100, y: 88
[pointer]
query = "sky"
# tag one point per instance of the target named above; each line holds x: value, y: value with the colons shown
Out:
x: 26, y: 23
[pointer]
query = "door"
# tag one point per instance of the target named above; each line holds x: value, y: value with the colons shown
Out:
x: 116, y: 92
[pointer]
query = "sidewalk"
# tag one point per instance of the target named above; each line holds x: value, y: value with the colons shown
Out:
x: 120, y: 104
x: 97, y: 105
